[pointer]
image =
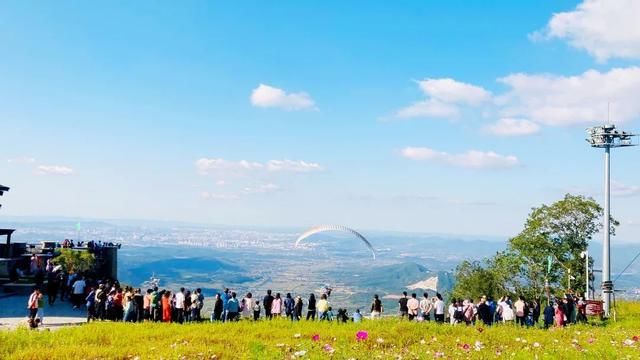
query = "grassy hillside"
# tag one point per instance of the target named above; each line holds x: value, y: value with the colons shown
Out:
x: 386, y: 339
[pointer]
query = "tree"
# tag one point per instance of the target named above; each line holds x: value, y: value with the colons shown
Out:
x: 560, y: 231
x: 474, y: 280
x: 75, y: 261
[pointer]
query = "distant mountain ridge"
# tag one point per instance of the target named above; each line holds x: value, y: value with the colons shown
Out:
x: 401, y: 276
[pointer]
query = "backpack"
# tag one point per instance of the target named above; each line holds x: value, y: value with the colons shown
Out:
x: 458, y: 315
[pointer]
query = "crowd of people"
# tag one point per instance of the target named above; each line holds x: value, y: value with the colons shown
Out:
x: 107, y: 300
x: 558, y: 311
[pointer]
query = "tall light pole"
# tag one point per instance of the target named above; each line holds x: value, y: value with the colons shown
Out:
x: 585, y: 255
x: 607, y: 137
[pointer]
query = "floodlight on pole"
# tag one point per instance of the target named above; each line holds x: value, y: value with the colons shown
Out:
x: 608, y: 137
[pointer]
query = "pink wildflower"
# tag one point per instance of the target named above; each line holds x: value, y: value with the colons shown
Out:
x: 315, y: 337
x: 362, y: 335
x: 328, y: 348
x: 465, y: 347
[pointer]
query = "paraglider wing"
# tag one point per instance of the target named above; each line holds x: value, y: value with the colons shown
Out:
x: 324, y: 228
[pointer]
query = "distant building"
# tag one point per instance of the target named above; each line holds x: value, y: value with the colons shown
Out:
x: 24, y: 264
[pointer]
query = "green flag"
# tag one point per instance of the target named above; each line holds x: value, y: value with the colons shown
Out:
x: 78, y: 227
x: 549, y: 261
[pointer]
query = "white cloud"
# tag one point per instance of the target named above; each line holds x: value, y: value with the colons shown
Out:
x: 621, y: 190
x: 471, y: 159
x: 261, y: 189
x: 454, y: 92
x: 445, y: 98
x: 21, y: 160
x: 205, y: 166
x: 292, y: 166
x: 570, y: 100
x: 53, y: 170
x: 271, y: 97
x: 512, y: 127
x: 604, y: 28
x: 429, y: 108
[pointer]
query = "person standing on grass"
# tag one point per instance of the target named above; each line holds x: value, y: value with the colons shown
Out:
x: 548, y: 315
x: 166, y: 306
x: 129, y: 305
x: 425, y: 307
x: 218, y: 308
x: 402, y: 305
x: 147, y: 307
x: 101, y: 302
x: 256, y: 311
x: 90, y: 301
x: 195, y: 306
x: 179, y: 298
x: 520, y: 307
x: 376, y: 307
x: 276, y: 306
x: 323, y: 307
x: 233, y: 308
x: 267, y: 301
x: 117, y: 305
x: 138, y: 300
x: 288, y: 306
x: 200, y: 303
x: 186, y: 312
x: 225, y: 300
x: 248, y: 305
x: 413, y: 306
x: 484, y: 311
x: 469, y: 311
x: 156, y: 305
x: 357, y: 317
x: 559, y: 315
x: 297, y: 309
x: 438, y: 312
x: 32, y: 304
x: 311, y: 307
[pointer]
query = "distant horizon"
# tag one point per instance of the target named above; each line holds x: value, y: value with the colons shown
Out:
x: 293, y: 228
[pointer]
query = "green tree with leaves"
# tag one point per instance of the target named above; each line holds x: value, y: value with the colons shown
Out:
x: 75, y: 260
x: 561, y: 231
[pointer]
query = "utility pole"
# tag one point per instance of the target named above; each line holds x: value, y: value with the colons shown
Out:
x: 608, y: 137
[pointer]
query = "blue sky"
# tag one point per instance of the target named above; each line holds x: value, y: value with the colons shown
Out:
x: 431, y: 116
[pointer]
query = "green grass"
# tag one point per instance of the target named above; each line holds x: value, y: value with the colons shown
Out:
x: 387, y: 339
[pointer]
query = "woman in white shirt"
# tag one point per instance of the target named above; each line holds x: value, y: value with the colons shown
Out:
x: 452, y: 311
x: 505, y: 310
x: 248, y: 304
x: 425, y: 307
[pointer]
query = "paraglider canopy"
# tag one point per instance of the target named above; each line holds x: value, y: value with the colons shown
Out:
x: 325, y: 228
